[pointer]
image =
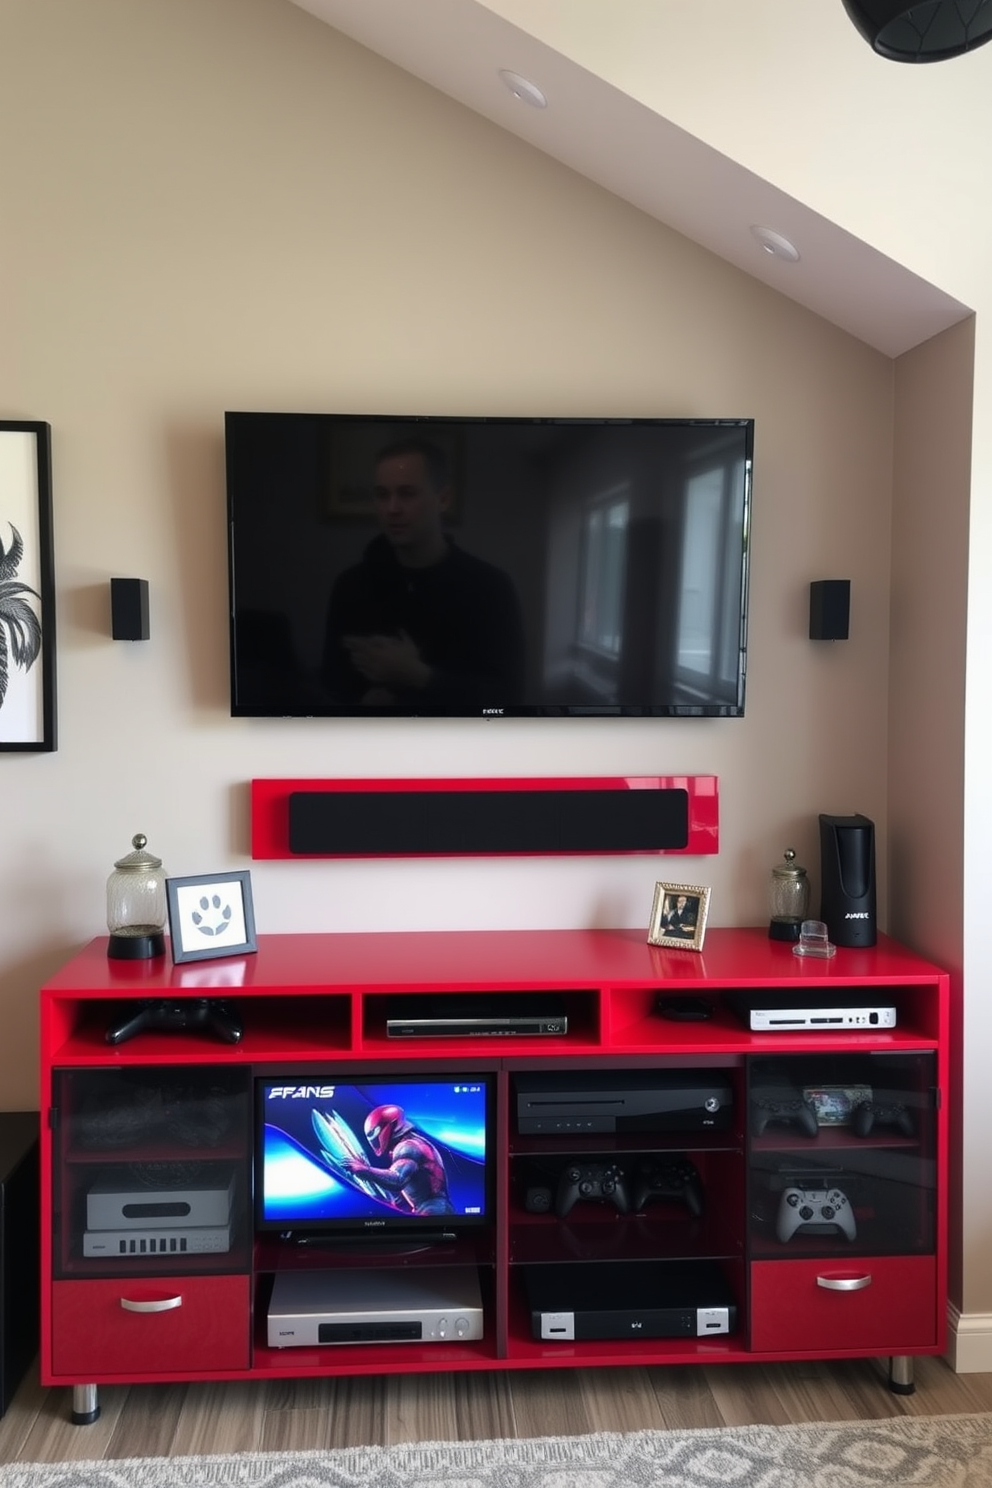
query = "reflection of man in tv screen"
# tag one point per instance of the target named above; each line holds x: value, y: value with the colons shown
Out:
x: 415, y: 1175
x: 419, y: 623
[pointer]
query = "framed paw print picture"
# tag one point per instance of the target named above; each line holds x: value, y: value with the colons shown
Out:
x: 210, y: 915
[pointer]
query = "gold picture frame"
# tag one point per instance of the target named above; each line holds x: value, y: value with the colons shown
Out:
x: 678, y: 916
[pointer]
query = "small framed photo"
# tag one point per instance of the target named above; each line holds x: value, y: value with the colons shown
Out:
x: 210, y: 915
x: 678, y: 916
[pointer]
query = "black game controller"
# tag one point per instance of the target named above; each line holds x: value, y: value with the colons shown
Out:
x: 603, y: 1182
x: 869, y: 1114
x: 668, y: 1178
x: 783, y: 1109
x: 184, y: 1015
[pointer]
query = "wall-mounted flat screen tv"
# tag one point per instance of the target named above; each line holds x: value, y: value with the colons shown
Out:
x: 504, y: 567
x: 383, y: 1152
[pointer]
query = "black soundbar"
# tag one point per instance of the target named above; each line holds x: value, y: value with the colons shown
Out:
x: 443, y: 823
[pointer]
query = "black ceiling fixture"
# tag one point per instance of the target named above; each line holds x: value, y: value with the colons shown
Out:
x: 927, y: 32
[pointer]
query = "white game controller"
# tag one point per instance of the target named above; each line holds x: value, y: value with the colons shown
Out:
x: 814, y: 1211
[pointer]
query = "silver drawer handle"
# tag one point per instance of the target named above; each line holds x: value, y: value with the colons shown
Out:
x: 844, y: 1283
x: 161, y: 1304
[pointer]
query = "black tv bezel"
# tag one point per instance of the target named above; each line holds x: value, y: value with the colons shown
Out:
x: 528, y: 710
x: 402, y: 1225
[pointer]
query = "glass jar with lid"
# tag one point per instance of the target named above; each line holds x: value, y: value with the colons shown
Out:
x: 136, y: 905
x: 789, y: 898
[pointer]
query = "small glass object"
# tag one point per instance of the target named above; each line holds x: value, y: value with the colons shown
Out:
x: 136, y: 905
x: 789, y: 898
x: 814, y: 940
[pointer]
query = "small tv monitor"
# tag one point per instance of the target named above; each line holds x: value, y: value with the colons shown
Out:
x: 374, y: 1154
x: 487, y: 567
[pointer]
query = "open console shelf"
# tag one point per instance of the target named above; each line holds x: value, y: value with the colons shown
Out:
x: 782, y: 1194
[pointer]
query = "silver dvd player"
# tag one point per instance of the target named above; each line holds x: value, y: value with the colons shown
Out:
x: 770, y: 1014
x: 432, y: 1304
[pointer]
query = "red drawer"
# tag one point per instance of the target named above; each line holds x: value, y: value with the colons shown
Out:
x: 888, y: 1303
x: 184, y: 1324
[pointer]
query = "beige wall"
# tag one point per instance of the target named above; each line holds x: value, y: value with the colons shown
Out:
x: 226, y: 205
x: 929, y: 606
x: 932, y: 441
x: 897, y: 156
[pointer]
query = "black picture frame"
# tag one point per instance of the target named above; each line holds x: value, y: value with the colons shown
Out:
x: 202, y: 910
x: 27, y: 589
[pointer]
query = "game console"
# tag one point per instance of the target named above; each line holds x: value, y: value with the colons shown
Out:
x: 767, y: 1012
x: 113, y: 1204
x: 835, y: 1104
x: 638, y: 1299
x: 592, y: 1101
x: 132, y: 1244
x: 505, y: 1014
x: 431, y: 1304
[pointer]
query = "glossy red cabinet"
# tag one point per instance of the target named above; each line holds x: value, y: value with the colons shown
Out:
x: 167, y: 1112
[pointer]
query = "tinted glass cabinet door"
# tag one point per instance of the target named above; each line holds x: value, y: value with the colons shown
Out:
x: 842, y: 1201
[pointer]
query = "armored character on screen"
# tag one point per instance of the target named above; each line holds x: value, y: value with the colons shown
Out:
x: 415, y: 1179
x: 420, y: 623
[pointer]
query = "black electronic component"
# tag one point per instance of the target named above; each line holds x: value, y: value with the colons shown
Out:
x: 683, y: 1009
x: 847, y: 879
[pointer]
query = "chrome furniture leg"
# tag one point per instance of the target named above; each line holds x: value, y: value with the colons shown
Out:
x: 85, y: 1405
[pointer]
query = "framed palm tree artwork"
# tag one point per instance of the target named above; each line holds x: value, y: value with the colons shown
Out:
x: 27, y: 588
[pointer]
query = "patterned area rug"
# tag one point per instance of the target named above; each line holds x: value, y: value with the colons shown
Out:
x: 921, y: 1452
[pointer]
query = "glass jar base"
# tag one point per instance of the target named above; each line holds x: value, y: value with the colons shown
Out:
x: 139, y: 944
x: 784, y: 928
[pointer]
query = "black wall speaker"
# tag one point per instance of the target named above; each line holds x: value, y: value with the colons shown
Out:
x: 847, y: 879
x: 426, y: 823
x: 129, y: 609
x: 829, y: 609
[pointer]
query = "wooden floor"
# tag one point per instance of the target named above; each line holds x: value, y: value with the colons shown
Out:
x: 171, y: 1420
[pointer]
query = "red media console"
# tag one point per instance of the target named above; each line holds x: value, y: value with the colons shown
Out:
x: 733, y: 1171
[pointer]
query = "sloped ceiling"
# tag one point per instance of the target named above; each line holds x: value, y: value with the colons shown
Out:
x: 460, y: 46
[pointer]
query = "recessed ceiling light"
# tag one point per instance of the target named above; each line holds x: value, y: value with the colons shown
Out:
x: 523, y: 89
x: 775, y: 244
